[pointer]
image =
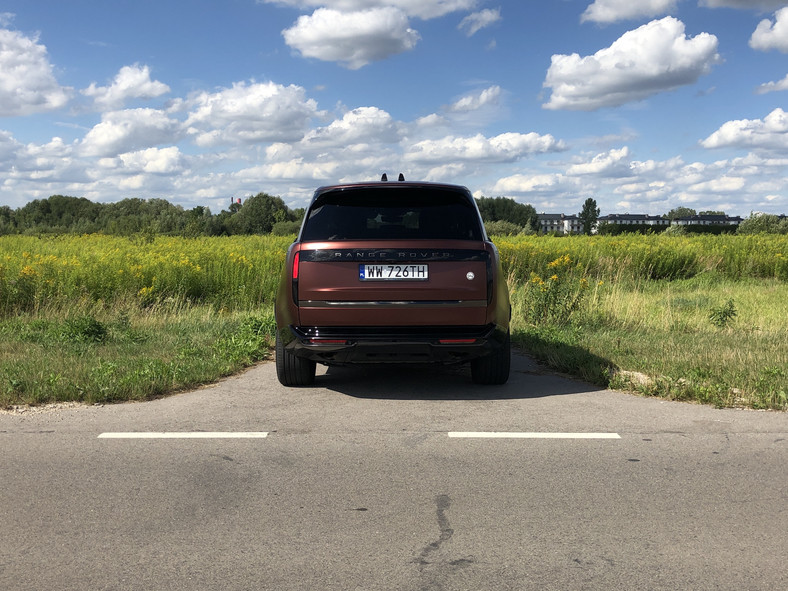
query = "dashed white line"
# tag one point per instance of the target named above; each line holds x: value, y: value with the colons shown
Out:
x: 187, y: 435
x: 514, y: 435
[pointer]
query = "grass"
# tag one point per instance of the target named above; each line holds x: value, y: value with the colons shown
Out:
x: 99, y: 319
x: 660, y: 338
x: 98, y: 355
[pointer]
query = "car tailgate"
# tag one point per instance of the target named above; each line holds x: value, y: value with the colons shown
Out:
x: 409, y: 286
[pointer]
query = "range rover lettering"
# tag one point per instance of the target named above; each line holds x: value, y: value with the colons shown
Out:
x: 392, y: 272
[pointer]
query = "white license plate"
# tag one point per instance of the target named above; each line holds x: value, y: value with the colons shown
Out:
x: 401, y: 272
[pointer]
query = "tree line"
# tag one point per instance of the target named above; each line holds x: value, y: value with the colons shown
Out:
x: 259, y: 214
x: 266, y: 214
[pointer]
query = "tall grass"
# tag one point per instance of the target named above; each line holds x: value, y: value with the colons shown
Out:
x: 225, y: 273
x: 100, y: 318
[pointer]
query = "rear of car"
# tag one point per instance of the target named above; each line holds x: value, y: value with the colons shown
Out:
x: 392, y: 273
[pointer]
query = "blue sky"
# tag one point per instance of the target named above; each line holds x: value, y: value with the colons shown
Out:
x: 643, y: 105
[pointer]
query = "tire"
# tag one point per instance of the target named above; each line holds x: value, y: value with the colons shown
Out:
x: 493, y: 369
x: 292, y: 370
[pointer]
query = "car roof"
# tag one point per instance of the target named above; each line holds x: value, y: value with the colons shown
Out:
x: 390, y: 185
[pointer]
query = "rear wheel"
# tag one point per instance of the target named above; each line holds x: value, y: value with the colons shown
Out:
x: 493, y: 369
x: 292, y: 370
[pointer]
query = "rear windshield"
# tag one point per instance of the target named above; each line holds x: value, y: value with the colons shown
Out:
x: 386, y: 214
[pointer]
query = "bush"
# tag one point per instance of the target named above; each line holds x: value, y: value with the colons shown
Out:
x: 502, y: 228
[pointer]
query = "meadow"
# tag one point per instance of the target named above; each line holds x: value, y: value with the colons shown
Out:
x: 102, y: 318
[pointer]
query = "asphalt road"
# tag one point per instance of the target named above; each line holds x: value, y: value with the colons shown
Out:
x: 363, y: 482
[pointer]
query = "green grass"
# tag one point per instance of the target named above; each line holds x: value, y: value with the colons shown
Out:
x: 97, y: 355
x: 105, y: 318
x: 660, y: 338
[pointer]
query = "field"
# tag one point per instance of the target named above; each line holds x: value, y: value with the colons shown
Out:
x: 98, y: 318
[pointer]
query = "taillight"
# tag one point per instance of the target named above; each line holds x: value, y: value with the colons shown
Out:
x: 294, y: 273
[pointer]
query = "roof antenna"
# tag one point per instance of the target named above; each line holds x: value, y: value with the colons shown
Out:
x: 401, y: 177
x: 384, y: 177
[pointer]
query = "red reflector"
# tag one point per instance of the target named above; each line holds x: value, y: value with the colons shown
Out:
x: 456, y: 341
x: 327, y: 341
x: 295, y: 265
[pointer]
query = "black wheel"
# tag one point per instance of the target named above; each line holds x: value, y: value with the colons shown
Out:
x: 493, y: 369
x: 292, y: 370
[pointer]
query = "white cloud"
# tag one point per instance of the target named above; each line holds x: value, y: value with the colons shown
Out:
x: 249, y: 113
x: 748, y: 4
x: 507, y: 147
x: 424, y: 9
x: 770, y: 35
x: 770, y: 133
x: 521, y: 184
x: 365, y: 124
x: 354, y: 39
x: 612, y: 163
x: 27, y: 84
x: 131, y: 82
x: 773, y: 86
x: 656, y: 57
x: 130, y: 130
x: 725, y: 184
x: 474, y: 102
x: 473, y: 23
x: 153, y: 160
x: 610, y: 11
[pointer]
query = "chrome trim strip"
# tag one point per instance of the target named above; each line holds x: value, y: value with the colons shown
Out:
x: 394, y: 304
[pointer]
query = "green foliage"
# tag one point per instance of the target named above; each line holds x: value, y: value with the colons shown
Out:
x: 722, y: 316
x: 502, y: 228
x: 495, y: 209
x: 588, y: 215
x: 554, y: 299
x: 763, y: 223
x: 681, y: 212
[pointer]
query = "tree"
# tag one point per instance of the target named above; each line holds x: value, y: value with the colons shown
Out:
x: 494, y: 209
x: 589, y: 215
x: 680, y: 212
x: 259, y: 214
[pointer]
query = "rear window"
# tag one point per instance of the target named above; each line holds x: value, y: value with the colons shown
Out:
x: 386, y: 214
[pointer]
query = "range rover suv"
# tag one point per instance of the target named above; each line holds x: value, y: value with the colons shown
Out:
x: 392, y: 272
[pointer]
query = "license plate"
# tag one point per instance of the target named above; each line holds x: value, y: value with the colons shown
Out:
x: 393, y: 272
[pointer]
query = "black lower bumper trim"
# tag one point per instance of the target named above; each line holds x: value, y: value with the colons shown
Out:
x: 345, y: 345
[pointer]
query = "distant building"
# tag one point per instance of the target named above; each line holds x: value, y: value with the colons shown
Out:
x: 634, y: 219
x: 708, y: 220
x: 559, y: 223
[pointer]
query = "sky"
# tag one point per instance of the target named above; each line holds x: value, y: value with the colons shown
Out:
x: 642, y: 105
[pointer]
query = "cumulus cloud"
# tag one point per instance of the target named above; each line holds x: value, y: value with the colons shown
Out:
x: 473, y: 23
x: 131, y: 82
x: 365, y: 124
x: 27, y: 84
x: 521, y: 184
x: 610, y: 11
x: 474, y: 102
x: 770, y: 133
x: 153, y: 160
x: 248, y: 113
x: 772, y: 35
x: 129, y: 130
x: 773, y: 86
x: 654, y: 58
x: 507, y: 147
x: 424, y: 9
x: 354, y: 39
x: 614, y: 163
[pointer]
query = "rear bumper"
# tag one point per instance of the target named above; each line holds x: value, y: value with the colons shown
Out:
x: 400, y: 344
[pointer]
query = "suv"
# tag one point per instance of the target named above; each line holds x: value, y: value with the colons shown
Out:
x: 392, y: 272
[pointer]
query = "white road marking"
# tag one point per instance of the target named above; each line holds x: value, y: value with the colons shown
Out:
x: 187, y: 435
x: 514, y: 435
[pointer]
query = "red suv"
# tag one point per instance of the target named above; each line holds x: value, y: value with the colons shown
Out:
x: 392, y: 272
